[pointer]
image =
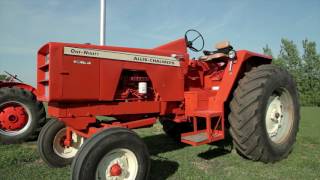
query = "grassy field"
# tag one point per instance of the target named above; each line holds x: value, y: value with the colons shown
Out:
x: 175, y: 161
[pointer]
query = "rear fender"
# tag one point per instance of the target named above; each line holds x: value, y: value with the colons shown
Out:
x: 244, y: 62
x: 20, y: 85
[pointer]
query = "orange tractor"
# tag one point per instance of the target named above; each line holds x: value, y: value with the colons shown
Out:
x: 198, y: 101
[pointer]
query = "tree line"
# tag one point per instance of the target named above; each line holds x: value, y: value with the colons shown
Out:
x: 304, y: 67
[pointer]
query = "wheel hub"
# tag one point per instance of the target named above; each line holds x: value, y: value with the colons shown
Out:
x: 115, y: 170
x: 279, y: 116
x: 119, y: 164
x: 118, y: 168
x: 13, y: 117
x: 274, y: 116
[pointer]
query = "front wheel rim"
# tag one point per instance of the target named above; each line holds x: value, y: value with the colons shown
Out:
x: 118, y: 164
x: 63, y: 151
x: 279, y: 116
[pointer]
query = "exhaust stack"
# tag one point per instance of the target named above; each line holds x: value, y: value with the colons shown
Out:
x: 102, y: 22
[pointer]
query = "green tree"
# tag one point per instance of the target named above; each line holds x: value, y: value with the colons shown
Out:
x: 311, y: 74
x: 289, y: 55
x: 290, y: 59
x: 267, y: 51
x: 3, y: 77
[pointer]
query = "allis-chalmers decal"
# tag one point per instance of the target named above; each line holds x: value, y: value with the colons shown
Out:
x: 122, y: 56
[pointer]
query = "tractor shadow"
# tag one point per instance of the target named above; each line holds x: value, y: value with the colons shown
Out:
x: 161, y: 143
x: 217, y: 149
x: 213, y: 153
x: 163, y: 168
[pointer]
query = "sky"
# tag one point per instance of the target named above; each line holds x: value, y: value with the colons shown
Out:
x: 26, y: 25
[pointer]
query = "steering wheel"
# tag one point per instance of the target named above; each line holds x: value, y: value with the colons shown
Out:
x: 188, y: 35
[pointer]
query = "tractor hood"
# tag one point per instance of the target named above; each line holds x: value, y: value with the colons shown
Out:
x: 70, y: 72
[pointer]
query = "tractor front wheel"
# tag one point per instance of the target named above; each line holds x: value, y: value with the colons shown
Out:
x: 265, y: 114
x: 115, y: 153
x: 52, y: 147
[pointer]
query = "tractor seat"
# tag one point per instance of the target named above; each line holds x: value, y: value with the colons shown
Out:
x: 222, y: 45
x: 221, y: 53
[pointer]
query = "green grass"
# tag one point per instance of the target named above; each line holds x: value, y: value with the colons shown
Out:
x: 170, y: 160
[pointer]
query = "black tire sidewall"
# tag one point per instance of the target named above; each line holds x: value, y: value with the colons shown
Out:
x: 282, y: 80
x: 99, y: 145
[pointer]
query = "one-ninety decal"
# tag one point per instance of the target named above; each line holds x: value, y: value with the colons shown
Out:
x: 122, y: 56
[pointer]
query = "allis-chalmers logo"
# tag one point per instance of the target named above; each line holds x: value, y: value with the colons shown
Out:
x: 120, y: 56
x: 152, y: 60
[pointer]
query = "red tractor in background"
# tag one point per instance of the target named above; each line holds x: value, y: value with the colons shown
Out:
x: 198, y: 101
x: 21, y: 115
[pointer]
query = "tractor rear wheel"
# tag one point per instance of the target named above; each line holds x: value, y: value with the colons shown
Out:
x: 51, y: 145
x: 21, y: 115
x: 265, y: 115
x: 114, y: 153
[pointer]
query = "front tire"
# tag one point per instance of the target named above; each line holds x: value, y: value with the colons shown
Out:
x: 115, y: 153
x: 265, y: 114
x: 51, y: 144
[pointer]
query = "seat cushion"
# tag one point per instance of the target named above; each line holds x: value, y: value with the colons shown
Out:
x: 222, y: 45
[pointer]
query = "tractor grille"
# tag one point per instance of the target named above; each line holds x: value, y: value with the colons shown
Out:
x: 43, y: 62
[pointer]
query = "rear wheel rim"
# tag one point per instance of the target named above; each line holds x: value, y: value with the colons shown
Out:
x: 118, y: 164
x: 63, y: 151
x: 279, y: 116
x: 15, y: 118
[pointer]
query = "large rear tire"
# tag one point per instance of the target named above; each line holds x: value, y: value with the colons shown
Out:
x: 21, y: 115
x: 51, y: 144
x: 265, y: 114
x: 115, y: 153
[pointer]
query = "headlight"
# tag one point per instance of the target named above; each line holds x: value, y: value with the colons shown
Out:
x: 232, y: 54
